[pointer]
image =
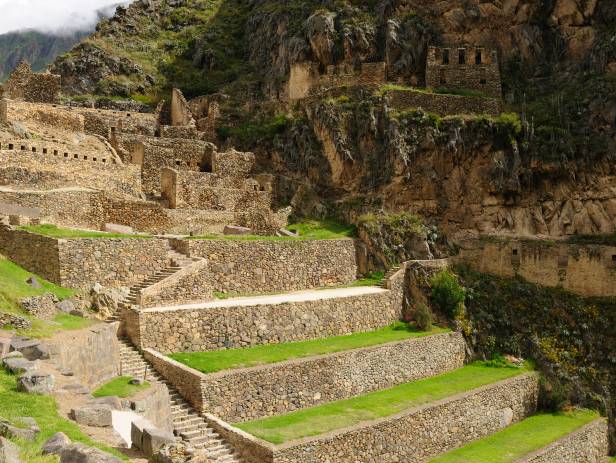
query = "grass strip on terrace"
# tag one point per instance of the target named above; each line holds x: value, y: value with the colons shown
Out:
x: 13, y: 287
x: 344, y: 413
x: 520, y: 439
x: 307, y: 230
x: 120, y: 387
x: 213, y: 361
x: 52, y: 231
x: 44, y: 410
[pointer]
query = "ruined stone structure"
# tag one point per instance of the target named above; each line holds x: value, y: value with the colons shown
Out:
x: 23, y: 84
x: 464, y: 68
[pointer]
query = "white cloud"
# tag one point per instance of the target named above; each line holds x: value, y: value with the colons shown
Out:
x: 57, y: 16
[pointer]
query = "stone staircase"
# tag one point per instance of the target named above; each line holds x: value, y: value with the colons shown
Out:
x: 188, y: 425
x: 177, y: 261
x: 390, y: 273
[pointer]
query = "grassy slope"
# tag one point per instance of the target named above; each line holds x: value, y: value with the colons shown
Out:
x: 14, y: 404
x: 13, y: 287
x: 55, y: 232
x: 120, y: 387
x: 520, y: 439
x: 336, y: 415
x: 308, y: 230
x: 209, y: 362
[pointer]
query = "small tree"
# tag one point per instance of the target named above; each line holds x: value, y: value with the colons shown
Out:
x: 423, y: 317
x: 447, y: 293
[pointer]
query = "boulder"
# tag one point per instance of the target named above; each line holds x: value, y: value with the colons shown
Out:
x: 31, y: 349
x: 33, y: 281
x: 153, y: 439
x: 28, y: 433
x: 234, y: 230
x: 56, y: 443
x: 9, y: 452
x: 112, y: 401
x: 65, y: 306
x: 98, y: 415
x: 17, y: 364
x: 137, y: 381
x: 80, y: 453
x: 77, y: 313
x: 137, y: 428
x: 35, y: 382
x: 285, y: 232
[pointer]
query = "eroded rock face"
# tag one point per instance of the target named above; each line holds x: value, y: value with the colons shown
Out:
x: 36, y: 382
x: 9, y: 452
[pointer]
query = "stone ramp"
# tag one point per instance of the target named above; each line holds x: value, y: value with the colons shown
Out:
x: 187, y: 423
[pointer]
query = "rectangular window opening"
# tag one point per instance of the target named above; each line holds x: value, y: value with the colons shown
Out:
x: 478, y: 57
x: 445, y: 56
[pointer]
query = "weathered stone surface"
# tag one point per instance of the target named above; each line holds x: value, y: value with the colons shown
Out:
x: 136, y: 432
x: 65, y: 306
x: 56, y: 443
x: 112, y: 401
x: 99, y: 415
x: 233, y: 230
x: 80, y: 453
x: 17, y: 365
x: 31, y: 349
x: 115, y: 228
x: 15, y: 432
x: 9, y: 452
x: 35, y: 382
x: 14, y: 321
x: 33, y: 281
x: 5, y: 346
x: 154, y: 439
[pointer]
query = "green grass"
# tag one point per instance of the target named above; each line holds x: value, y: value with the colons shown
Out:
x: 307, y: 230
x: 341, y: 414
x: 120, y: 387
x: 13, y: 287
x: 53, y: 231
x: 210, y: 362
x: 520, y: 439
x: 44, y: 410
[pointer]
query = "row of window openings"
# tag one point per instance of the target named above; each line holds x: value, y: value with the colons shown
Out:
x: 462, y: 56
x: 55, y: 153
x: 208, y: 169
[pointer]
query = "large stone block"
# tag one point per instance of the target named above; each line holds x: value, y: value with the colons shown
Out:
x: 9, y: 452
x: 35, y: 382
x: 99, y: 415
x: 154, y: 439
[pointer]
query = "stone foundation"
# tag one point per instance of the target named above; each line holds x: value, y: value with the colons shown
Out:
x: 443, y: 104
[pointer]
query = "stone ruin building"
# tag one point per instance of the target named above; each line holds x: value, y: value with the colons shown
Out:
x: 23, y: 84
x: 464, y: 68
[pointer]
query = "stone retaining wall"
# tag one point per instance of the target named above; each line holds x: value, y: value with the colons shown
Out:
x: 424, y: 432
x: 193, y: 330
x: 443, y: 104
x: 110, y: 262
x: 37, y: 254
x: 588, y: 444
x: 92, y: 354
x: 412, y: 436
x: 587, y: 270
x: 262, y: 266
x: 250, y: 393
x: 188, y: 285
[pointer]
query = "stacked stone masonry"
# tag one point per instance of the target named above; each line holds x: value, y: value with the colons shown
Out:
x: 443, y: 104
x: 23, y: 165
x: 464, y: 68
x: 409, y: 436
x: 190, y: 330
x: 264, y: 266
x: 588, y: 444
x: 23, y: 84
x: 587, y: 270
x: 251, y: 393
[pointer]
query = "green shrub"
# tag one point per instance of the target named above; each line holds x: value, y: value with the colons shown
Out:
x: 553, y: 396
x: 423, y: 317
x: 447, y: 293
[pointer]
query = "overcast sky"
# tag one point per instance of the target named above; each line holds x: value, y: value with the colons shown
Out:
x: 50, y: 15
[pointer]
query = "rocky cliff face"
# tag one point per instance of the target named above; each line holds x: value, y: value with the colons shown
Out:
x: 550, y: 173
